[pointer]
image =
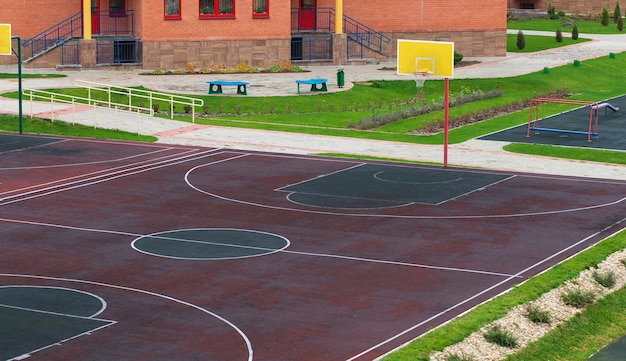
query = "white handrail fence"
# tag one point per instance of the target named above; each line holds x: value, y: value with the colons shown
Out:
x: 148, y: 95
x: 56, y: 98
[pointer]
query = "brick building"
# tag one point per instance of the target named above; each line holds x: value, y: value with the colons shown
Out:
x: 169, y: 34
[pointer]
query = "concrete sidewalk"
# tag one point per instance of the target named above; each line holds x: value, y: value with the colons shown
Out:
x: 474, y: 153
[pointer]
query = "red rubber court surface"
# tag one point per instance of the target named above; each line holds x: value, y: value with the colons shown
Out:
x: 179, y: 253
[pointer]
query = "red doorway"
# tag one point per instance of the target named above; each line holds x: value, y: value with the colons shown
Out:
x: 95, y: 16
x: 307, y: 15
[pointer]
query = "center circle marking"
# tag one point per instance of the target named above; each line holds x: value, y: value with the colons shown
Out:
x: 210, y: 243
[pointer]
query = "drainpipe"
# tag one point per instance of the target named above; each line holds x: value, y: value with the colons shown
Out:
x: 338, y: 16
x: 87, y: 19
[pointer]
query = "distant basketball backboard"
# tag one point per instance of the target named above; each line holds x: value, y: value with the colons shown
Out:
x: 5, y: 39
x: 435, y: 58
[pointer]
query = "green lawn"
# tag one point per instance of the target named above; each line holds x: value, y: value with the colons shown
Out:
x: 539, y: 43
x: 584, y: 27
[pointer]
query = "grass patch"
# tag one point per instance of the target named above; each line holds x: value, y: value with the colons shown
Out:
x: 39, y: 126
x: 578, y: 298
x: 583, y: 335
x: 606, y: 280
x: 537, y: 315
x: 538, y: 43
x: 500, y: 337
x: 29, y: 75
x: 459, y: 328
x: 566, y: 24
x: 593, y: 155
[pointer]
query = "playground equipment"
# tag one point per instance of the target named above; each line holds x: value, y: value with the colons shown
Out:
x: 592, y: 130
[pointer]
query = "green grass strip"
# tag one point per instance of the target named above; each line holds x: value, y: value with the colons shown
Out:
x: 461, y: 327
x: 592, y: 155
x: 39, y: 126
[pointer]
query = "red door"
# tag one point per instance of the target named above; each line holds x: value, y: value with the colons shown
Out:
x: 95, y: 16
x: 307, y: 15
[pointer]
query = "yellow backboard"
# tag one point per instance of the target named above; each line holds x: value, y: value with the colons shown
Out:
x: 5, y: 39
x: 436, y: 58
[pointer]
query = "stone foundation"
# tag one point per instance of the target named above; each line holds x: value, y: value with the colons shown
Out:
x: 205, y: 54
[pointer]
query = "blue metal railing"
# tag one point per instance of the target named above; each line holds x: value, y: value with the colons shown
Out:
x: 69, y: 53
x: 364, y: 35
x: 320, y: 19
x: 312, y: 48
x: 316, y: 19
x: 54, y: 36
x: 113, y: 22
x: 117, y: 51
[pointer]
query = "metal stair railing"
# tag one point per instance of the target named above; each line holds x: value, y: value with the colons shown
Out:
x: 364, y: 35
x: 54, y: 36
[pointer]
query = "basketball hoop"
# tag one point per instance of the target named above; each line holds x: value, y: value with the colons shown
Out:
x: 420, y: 78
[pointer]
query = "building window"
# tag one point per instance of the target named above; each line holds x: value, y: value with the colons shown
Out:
x: 217, y: 8
x: 172, y: 9
x: 261, y: 8
x: 117, y: 5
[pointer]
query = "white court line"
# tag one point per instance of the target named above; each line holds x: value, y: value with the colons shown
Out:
x: 87, y: 163
x: 322, y: 255
x: 144, y: 292
x: 102, y: 301
x: 106, y: 177
x: 466, y: 216
x: 518, y: 274
x: 94, y: 173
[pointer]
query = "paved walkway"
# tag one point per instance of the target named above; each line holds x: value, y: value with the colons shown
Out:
x: 474, y: 153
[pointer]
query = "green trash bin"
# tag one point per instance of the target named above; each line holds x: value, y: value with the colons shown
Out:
x: 340, y: 78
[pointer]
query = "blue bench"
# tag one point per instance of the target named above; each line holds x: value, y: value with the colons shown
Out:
x: 215, y: 86
x: 317, y: 84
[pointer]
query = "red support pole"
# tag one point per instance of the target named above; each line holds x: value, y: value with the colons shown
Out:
x: 445, y: 122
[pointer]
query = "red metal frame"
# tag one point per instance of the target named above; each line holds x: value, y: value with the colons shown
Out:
x: 590, y: 131
x: 173, y: 16
x: 216, y: 12
x: 266, y: 14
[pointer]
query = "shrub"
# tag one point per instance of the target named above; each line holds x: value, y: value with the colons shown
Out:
x: 457, y: 57
x: 190, y: 68
x: 575, y: 32
x: 604, y: 18
x: 155, y: 107
x: 500, y: 337
x: 607, y: 280
x: 242, y: 67
x: 578, y: 298
x: 158, y: 71
x: 551, y: 11
x: 559, y: 36
x: 617, y: 13
x: 521, y: 42
x: 620, y: 24
x: 187, y: 108
x: 537, y: 316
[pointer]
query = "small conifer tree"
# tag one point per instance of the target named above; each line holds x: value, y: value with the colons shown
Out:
x: 620, y: 24
x: 521, y: 43
x: 559, y: 35
x: 604, y: 19
x: 575, y: 32
x: 617, y: 13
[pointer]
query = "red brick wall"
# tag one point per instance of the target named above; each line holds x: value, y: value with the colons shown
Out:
x: 27, y: 18
x: 426, y: 15
x: 153, y: 27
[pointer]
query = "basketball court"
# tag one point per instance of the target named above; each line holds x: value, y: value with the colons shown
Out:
x: 117, y: 250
